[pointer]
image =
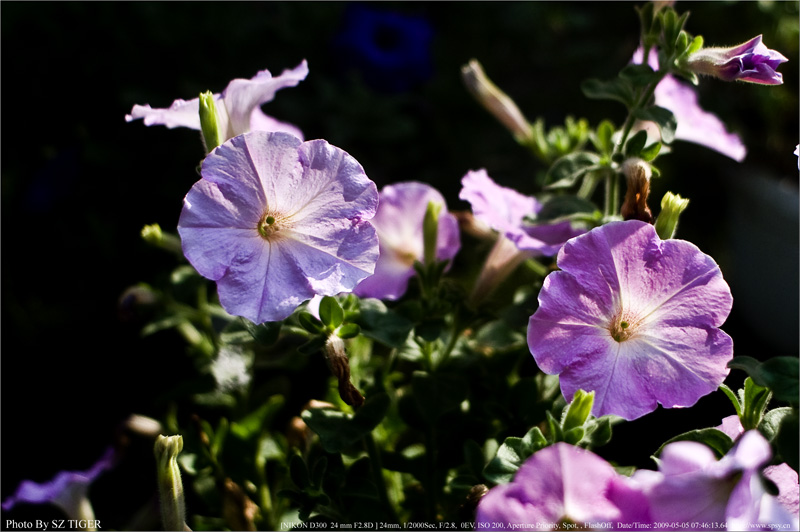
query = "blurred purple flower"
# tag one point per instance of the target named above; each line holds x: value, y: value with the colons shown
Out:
x: 274, y: 221
x: 238, y: 106
x: 504, y: 210
x: 391, y: 49
x: 691, y: 486
x: 562, y: 483
x: 694, y: 124
x: 751, y: 61
x: 784, y: 477
x: 68, y: 489
x: 634, y: 318
x: 401, y: 212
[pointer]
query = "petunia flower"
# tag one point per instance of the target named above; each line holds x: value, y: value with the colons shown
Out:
x: 68, y: 490
x: 562, y: 484
x: 782, y: 475
x: 692, y: 486
x: 238, y: 106
x: 751, y: 61
x: 634, y: 318
x: 275, y: 220
x: 399, y: 220
x: 504, y: 210
x: 694, y: 124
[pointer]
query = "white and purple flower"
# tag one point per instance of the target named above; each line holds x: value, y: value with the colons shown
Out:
x: 238, y: 106
x: 634, y: 318
x: 399, y: 223
x: 562, y: 483
x: 275, y: 221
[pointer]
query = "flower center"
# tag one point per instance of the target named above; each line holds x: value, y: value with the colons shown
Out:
x: 268, y: 226
x: 622, y: 327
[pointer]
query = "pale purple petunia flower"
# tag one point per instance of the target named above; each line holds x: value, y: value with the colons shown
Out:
x: 275, y: 221
x: 694, y: 124
x: 751, y: 61
x: 399, y: 222
x: 562, y: 483
x: 504, y: 210
x: 634, y: 318
x: 784, y: 477
x: 68, y: 489
x: 238, y: 106
x: 692, y: 486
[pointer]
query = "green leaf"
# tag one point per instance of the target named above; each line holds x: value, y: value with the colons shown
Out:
x: 616, y: 89
x: 635, y: 144
x: 310, y: 323
x: 512, y: 454
x: 298, y: 471
x: 602, y: 138
x: 382, y: 324
x: 734, y: 399
x: 665, y: 119
x: 338, y: 430
x: 330, y: 312
x: 638, y: 75
x: 786, y: 442
x: 348, y: 330
x: 779, y: 374
x: 754, y: 402
x: 771, y: 422
x: 718, y: 441
x: 568, y: 169
x: 651, y: 152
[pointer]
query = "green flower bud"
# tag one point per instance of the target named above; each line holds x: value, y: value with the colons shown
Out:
x: 153, y: 235
x: 578, y: 410
x: 430, y: 231
x: 170, y: 487
x: 209, y: 124
x: 672, y: 206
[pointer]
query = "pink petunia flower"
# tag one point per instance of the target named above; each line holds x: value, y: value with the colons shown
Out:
x: 399, y: 220
x: 275, y: 220
x: 238, y: 106
x: 634, y: 318
x: 562, y: 483
x: 692, y: 486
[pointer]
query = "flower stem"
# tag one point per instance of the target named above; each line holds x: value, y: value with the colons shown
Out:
x: 377, y: 476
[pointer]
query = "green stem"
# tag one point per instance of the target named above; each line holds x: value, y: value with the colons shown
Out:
x: 430, y: 462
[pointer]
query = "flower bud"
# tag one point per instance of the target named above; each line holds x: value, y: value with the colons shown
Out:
x: 496, y: 101
x: 750, y: 61
x: 637, y: 175
x: 672, y: 206
x: 170, y: 486
x: 153, y: 235
x: 430, y: 231
x: 209, y: 124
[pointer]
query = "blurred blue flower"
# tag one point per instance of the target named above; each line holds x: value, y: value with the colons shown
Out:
x: 391, y: 49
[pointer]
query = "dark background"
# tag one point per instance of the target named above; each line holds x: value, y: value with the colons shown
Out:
x: 78, y: 182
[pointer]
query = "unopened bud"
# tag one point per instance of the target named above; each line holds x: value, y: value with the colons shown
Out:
x: 637, y: 175
x: 496, y: 101
x: 672, y: 206
x: 170, y: 486
x: 430, y: 231
x: 209, y: 124
x: 153, y: 235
